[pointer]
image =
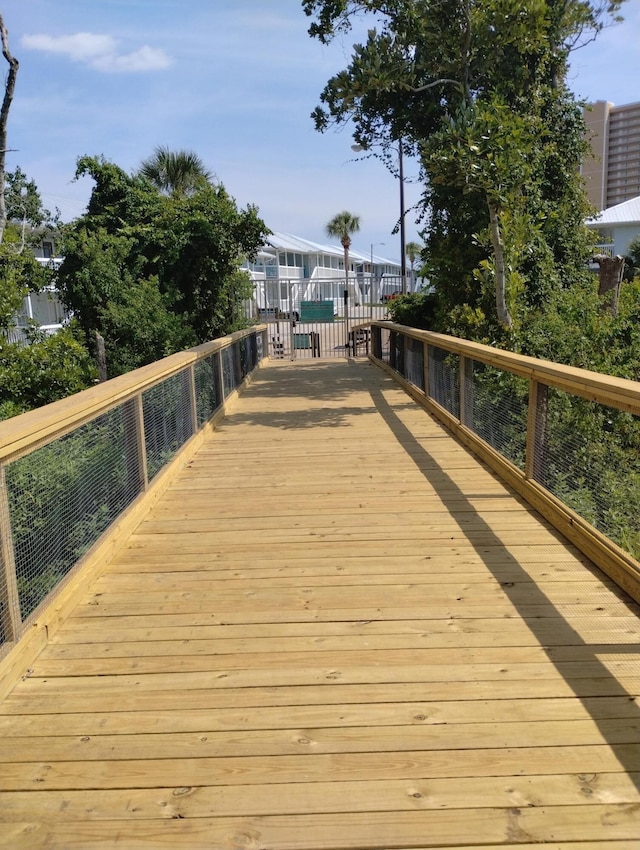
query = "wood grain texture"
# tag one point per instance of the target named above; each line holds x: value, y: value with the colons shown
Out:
x: 334, y: 629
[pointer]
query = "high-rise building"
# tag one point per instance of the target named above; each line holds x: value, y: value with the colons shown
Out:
x: 612, y: 172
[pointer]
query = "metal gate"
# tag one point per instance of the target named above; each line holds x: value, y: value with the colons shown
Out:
x: 319, y: 318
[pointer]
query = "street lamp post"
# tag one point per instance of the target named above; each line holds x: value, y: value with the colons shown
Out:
x: 403, y: 244
x: 403, y: 256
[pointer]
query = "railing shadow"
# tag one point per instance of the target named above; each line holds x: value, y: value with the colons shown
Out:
x: 452, y: 496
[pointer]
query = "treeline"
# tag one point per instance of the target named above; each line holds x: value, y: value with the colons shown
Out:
x: 151, y: 268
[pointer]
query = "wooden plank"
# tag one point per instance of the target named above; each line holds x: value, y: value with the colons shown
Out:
x: 190, y: 771
x: 419, y: 794
x: 347, y: 831
x: 368, y: 714
x: 171, y: 691
x: 264, y: 637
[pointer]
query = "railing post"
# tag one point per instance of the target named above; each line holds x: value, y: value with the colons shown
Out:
x: 426, y: 367
x: 190, y: 377
x: 10, y: 618
x: 466, y: 391
x: 376, y: 342
x: 536, y: 431
x: 135, y: 445
x: 220, y: 374
x: 237, y: 362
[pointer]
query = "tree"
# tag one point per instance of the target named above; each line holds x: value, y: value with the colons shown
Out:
x: 153, y: 273
x: 476, y: 89
x: 9, y: 89
x: 25, y: 210
x: 341, y: 226
x: 413, y: 251
x: 179, y: 173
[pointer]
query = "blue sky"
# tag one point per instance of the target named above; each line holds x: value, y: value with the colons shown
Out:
x: 233, y: 80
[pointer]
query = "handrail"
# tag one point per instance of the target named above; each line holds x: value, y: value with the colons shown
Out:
x: 532, y: 433
x: 594, y: 386
x: 73, y: 473
x: 33, y: 427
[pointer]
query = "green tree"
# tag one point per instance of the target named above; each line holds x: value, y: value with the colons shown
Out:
x: 9, y: 89
x: 413, y: 251
x: 48, y: 369
x: 154, y: 273
x: 476, y: 89
x: 176, y: 172
x: 341, y: 226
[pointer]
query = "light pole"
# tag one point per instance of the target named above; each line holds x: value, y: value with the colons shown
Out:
x: 403, y: 257
x: 403, y: 246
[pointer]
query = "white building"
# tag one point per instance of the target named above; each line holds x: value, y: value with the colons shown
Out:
x: 42, y: 308
x: 289, y: 270
x: 617, y: 227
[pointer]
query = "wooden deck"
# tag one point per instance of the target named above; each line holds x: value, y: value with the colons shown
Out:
x: 336, y: 630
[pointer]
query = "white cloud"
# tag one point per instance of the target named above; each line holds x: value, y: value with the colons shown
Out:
x: 99, y: 52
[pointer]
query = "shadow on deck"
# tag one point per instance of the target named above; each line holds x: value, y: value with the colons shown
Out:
x: 336, y: 629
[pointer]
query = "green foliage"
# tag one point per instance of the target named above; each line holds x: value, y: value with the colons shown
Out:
x: 476, y: 90
x: 416, y: 310
x: 61, y: 498
x: 24, y: 207
x: 176, y: 172
x: 342, y: 225
x: 50, y: 368
x: 155, y: 273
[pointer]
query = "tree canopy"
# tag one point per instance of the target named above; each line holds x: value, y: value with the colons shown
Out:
x: 476, y: 91
x: 152, y: 272
x: 176, y: 172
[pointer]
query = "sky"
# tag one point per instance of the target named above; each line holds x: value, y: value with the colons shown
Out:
x: 235, y: 81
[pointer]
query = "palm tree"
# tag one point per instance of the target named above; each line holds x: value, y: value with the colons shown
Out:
x: 342, y: 226
x: 178, y: 173
x: 413, y: 250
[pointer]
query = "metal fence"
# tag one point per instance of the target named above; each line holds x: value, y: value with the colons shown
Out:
x: 567, y: 438
x: 60, y: 492
x: 320, y: 318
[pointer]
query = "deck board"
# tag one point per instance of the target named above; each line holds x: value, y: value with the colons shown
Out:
x: 336, y: 629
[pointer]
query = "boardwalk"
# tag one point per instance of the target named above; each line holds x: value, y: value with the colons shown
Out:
x: 336, y: 630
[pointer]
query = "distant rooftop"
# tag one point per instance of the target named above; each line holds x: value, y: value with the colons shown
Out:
x: 288, y: 242
x: 627, y: 212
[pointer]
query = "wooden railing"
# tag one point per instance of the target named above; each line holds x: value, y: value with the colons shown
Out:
x: 567, y: 439
x: 74, y: 474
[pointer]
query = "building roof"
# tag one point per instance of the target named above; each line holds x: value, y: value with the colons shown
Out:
x: 288, y: 242
x: 627, y: 212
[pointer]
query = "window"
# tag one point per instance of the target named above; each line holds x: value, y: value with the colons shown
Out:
x: 47, y: 250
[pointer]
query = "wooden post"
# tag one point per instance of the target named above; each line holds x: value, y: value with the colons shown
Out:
x: 10, y: 618
x: 190, y: 378
x: 135, y: 446
x: 101, y: 357
x: 220, y: 372
x: 536, y: 431
x: 466, y: 391
x: 426, y: 366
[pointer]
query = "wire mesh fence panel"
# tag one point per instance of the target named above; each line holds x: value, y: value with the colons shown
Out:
x: 310, y: 318
x: 63, y: 496
x: 497, y: 403
x: 414, y: 362
x: 208, y: 395
x: 591, y: 461
x: 229, y: 380
x: 444, y: 379
x: 167, y: 420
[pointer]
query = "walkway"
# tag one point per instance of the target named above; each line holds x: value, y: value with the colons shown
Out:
x: 336, y: 630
